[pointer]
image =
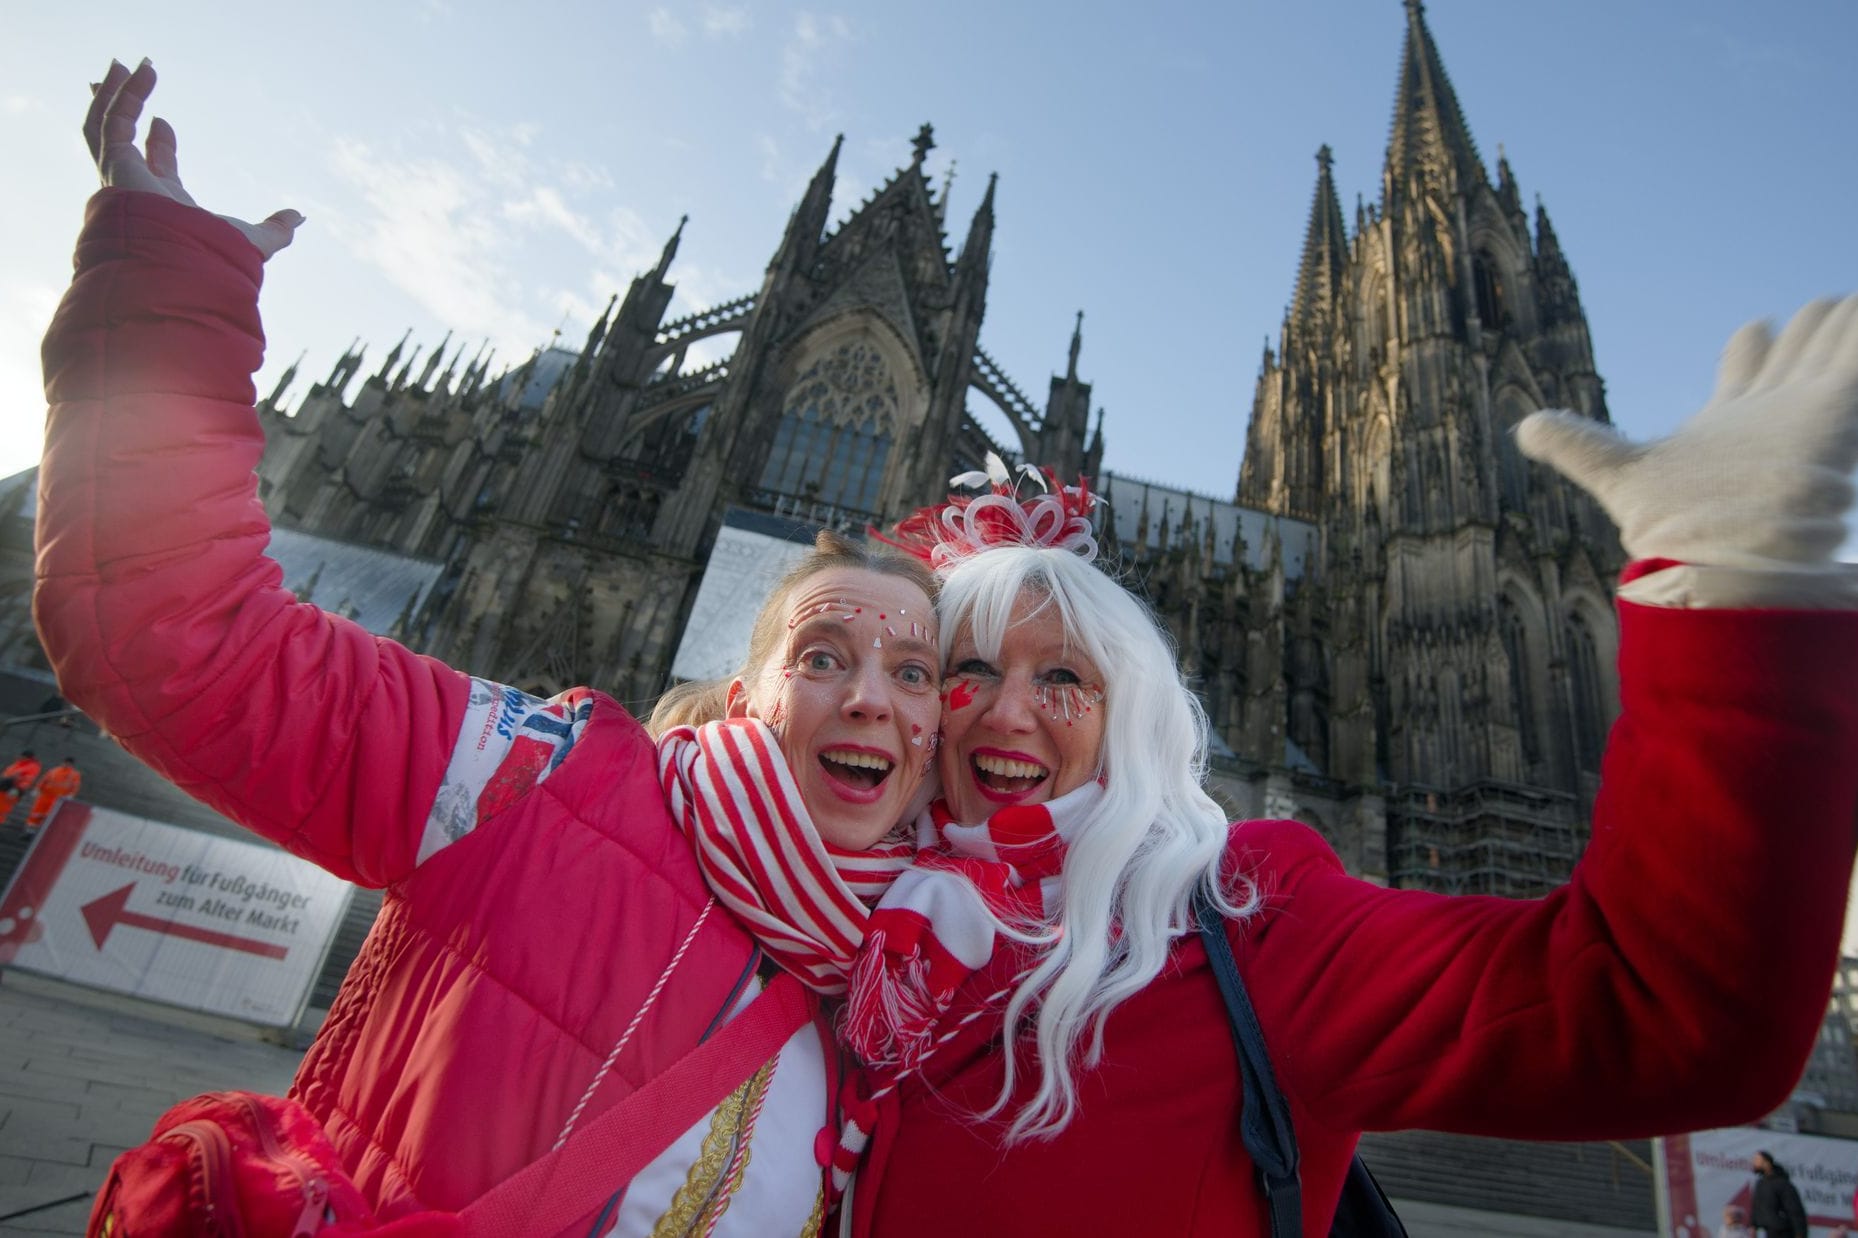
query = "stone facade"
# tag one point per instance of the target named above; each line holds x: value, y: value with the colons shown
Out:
x: 1402, y: 631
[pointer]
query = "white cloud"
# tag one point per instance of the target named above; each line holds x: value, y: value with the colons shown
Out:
x: 493, y: 236
x: 499, y: 162
x: 773, y: 167
x: 547, y: 207
x: 665, y: 27
x: 429, y: 227
x: 585, y: 177
x: 719, y: 21
x: 809, y: 52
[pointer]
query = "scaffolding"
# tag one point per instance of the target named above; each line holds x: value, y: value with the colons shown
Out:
x: 1489, y: 837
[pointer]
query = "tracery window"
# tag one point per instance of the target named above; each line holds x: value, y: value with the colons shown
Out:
x: 1589, y: 712
x: 1491, y: 307
x: 1522, y: 686
x: 833, y: 440
x: 1512, y: 468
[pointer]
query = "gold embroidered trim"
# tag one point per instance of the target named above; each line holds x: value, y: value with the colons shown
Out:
x: 690, y: 1211
x: 811, y: 1229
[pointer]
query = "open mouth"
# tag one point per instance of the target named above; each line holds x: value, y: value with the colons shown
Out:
x: 1006, y: 775
x: 865, y: 771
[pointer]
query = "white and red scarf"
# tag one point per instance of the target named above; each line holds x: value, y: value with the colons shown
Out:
x: 938, y: 924
x: 900, y: 963
x: 805, y: 901
x: 940, y: 921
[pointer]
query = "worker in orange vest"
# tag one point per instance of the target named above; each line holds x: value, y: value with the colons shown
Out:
x: 60, y: 781
x: 16, y: 779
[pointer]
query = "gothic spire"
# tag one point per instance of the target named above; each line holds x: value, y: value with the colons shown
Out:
x: 816, y: 206
x: 1325, y: 251
x: 1508, y: 195
x: 432, y: 362
x: 1077, y: 346
x: 1429, y: 133
x: 979, y: 244
x: 1547, y: 244
x: 1560, y: 296
x: 670, y: 246
x: 393, y: 356
x: 288, y: 377
x: 595, y: 336
x: 922, y: 144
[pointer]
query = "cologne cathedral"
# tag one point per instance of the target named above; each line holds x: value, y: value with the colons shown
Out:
x: 1401, y: 629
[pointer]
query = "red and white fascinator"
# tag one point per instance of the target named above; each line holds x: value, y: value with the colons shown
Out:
x: 1057, y: 517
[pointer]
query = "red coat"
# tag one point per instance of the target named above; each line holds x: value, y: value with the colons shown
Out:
x: 502, y: 969
x: 1676, y: 983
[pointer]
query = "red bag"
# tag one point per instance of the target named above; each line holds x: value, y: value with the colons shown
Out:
x: 236, y: 1163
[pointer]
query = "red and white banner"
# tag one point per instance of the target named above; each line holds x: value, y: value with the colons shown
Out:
x: 116, y: 902
x: 1703, y: 1173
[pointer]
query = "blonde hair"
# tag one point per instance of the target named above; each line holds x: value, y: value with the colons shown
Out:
x: 707, y: 700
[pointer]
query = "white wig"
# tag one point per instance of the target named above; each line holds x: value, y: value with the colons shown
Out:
x: 1153, y: 837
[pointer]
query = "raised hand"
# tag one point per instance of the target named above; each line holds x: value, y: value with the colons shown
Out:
x: 1760, y: 478
x: 109, y: 130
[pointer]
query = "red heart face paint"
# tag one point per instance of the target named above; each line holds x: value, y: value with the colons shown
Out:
x: 1035, y: 730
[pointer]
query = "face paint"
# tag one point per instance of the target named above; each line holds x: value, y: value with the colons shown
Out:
x: 1036, y: 729
x: 851, y: 709
x: 1066, y: 702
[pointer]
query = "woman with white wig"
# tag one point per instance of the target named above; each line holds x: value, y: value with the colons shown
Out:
x: 1048, y: 1051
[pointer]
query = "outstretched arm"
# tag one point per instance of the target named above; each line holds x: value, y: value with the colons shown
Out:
x: 161, y: 614
x: 1679, y: 980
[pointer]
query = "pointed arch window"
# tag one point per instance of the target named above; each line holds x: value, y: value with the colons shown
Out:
x: 833, y: 441
x: 1491, y: 309
x: 1522, y: 680
x: 1512, y: 468
x: 1587, y: 702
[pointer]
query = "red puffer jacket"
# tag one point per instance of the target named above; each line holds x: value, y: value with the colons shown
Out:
x: 505, y: 967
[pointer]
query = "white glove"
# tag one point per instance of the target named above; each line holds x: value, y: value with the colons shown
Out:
x: 109, y: 130
x: 1753, y: 491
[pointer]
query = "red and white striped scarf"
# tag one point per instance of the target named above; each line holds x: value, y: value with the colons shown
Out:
x: 939, y: 921
x: 938, y: 924
x: 804, y: 900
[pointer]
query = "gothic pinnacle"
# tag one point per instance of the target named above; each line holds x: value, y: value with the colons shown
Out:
x: 923, y: 143
x: 670, y: 247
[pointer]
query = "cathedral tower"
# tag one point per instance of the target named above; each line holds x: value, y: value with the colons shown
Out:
x: 1477, y: 584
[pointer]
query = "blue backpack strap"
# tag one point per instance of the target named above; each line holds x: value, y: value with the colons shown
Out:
x: 1264, y: 1121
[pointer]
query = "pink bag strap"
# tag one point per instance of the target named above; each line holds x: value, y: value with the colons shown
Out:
x: 563, y: 1187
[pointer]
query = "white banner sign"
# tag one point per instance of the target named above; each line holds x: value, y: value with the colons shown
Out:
x: 1708, y: 1172
x: 739, y: 576
x: 116, y: 902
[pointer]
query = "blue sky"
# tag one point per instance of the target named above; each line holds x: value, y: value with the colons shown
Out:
x: 467, y: 167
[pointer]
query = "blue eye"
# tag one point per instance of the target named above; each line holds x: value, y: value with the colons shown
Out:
x: 819, y: 660
x: 916, y: 675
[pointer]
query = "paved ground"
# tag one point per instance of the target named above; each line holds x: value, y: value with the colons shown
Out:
x: 84, y: 1075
